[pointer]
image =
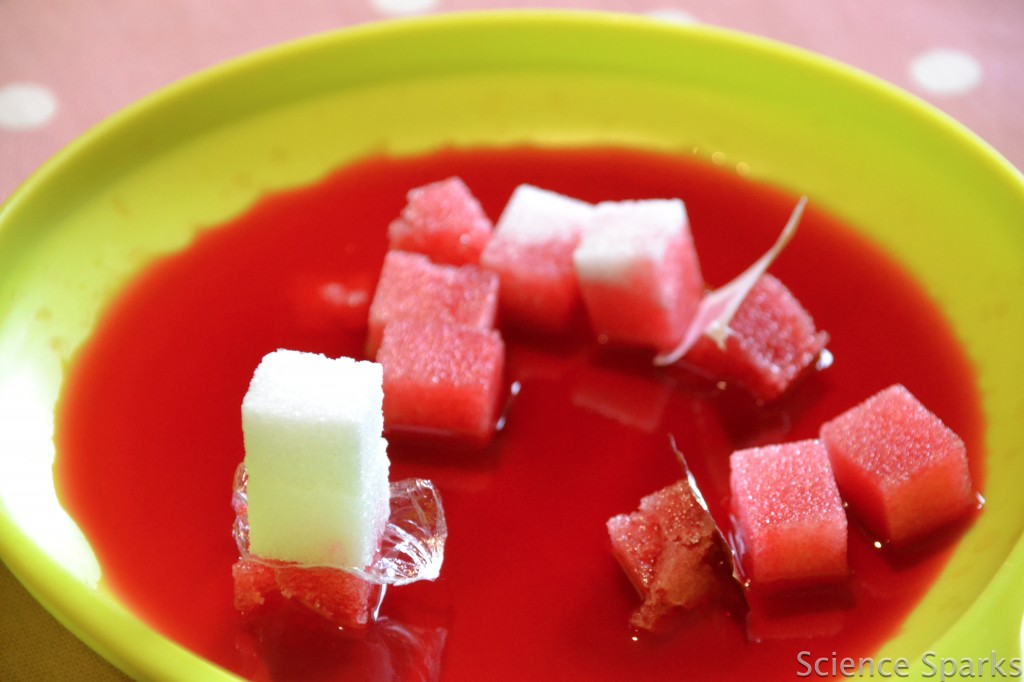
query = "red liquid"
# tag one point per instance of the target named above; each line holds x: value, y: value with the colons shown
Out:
x: 149, y: 434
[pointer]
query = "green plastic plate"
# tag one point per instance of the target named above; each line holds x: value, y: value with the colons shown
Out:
x: 144, y: 182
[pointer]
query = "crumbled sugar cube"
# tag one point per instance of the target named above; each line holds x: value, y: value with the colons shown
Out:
x: 317, y: 463
x: 343, y: 598
x: 444, y: 221
x: 638, y: 272
x: 671, y: 552
x: 531, y: 251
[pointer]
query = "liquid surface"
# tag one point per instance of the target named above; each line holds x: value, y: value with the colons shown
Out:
x: 149, y: 435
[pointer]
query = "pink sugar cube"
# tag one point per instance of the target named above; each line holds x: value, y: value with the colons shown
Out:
x: 413, y: 288
x: 444, y: 221
x: 638, y: 272
x: 903, y: 472
x: 788, y: 517
x: 531, y: 251
x: 671, y: 552
x: 342, y: 598
x: 772, y: 341
x: 442, y: 379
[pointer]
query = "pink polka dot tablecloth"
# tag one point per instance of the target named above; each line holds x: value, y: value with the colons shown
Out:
x: 66, y: 65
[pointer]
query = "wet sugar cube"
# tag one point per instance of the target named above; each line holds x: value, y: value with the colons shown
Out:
x: 671, y: 552
x: 317, y: 463
x: 345, y: 599
x: 413, y: 288
x: 444, y: 221
x: 531, y: 251
x: 638, y: 272
x: 772, y: 342
x: 789, y: 520
x: 442, y: 379
x: 903, y: 472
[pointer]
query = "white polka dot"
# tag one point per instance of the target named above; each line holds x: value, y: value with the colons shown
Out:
x: 945, y: 72
x: 25, y: 105
x: 403, y: 6
x: 672, y: 15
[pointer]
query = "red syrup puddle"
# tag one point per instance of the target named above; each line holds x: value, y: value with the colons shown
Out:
x: 149, y: 435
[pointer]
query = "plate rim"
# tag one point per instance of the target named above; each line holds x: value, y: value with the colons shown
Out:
x: 48, y: 583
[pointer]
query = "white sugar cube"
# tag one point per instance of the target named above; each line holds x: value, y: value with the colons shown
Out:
x: 638, y: 272
x: 317, y: 464
x: 533, y: 215
x: 626, y: 234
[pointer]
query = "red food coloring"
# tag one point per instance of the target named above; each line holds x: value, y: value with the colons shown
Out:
x: 148, y: 436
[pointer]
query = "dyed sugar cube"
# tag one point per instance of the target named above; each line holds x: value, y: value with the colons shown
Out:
x: 442, y: 379
x: 903, y: 472
x: 531, y: 251
x: 638, y: 272
x: 789, y: 519
x: 317, y: 464
x: 444, y: 221
x: 671, y: 552
x: 772, y: 341
x: 343, y: 598
x: 413, y: 288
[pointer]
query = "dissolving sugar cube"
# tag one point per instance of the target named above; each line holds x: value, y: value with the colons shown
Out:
x: 442, y: 379
x: 671, y: 552
x: 903, y: 472
x: 789, y: 519
x: 316, y: 461
x: 444, y: 221
x: 772, y: 341
x: 638, y: 272
x: 341, y: 597
x: 531, y: 251
x: 413, y: 288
